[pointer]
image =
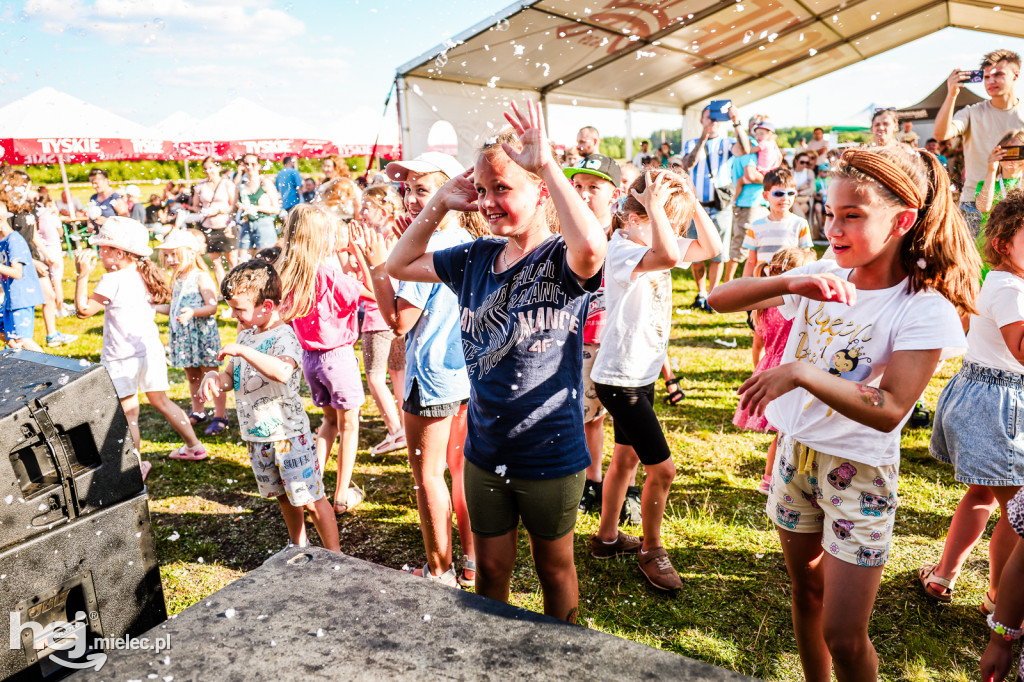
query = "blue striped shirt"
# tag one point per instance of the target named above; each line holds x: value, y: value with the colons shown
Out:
x: 720, y: 149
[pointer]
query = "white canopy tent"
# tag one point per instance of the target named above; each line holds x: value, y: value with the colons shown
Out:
x: 666, y: 56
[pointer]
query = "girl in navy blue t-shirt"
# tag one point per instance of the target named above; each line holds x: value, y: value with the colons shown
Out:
x: 523, y: 301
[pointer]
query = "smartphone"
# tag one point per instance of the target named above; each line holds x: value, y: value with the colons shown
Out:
x: 974, y: 76
x: 720, y: 109
x: 1013, y: 152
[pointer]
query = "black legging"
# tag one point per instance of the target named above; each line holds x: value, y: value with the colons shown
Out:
x: 636, y: 424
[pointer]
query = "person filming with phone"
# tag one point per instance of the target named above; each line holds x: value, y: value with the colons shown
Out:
x: 983, y: 124
x: 706, y: 159
x: 1004, y: 172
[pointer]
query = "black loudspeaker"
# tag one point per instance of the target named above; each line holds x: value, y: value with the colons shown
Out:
x: 76, y: 548
x: 65, y: 448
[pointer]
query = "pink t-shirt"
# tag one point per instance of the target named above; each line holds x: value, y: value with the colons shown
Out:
x: 333, y: 319
x: 769, y: 156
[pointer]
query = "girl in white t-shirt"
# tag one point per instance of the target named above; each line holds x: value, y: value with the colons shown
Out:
x: 869, y: 329
x: 638, y: 301
x: 975, y: 429
x: 132, y: 351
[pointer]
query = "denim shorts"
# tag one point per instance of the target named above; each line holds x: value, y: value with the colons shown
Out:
x: 257, y: 234
x: 978, y: 426
x: 18, y: 323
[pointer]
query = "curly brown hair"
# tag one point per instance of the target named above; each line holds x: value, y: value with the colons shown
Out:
x: 1003, y: 224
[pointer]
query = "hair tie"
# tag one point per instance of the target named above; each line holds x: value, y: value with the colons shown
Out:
x: 886, y: 172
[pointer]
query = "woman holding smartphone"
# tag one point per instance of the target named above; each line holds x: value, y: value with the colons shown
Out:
x: 1004, y: 172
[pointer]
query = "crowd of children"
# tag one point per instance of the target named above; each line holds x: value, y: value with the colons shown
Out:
x: 516, y: 304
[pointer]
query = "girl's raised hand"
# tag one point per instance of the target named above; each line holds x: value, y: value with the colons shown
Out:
x: 822, y: 287
x: 769, y: 384
x: 995, y: 157
x: 85, y: 263
x: 530, y: 128
x: 459, y: 193
x: 373, y: 247
x: 400, y: 225
x: 655, y: 192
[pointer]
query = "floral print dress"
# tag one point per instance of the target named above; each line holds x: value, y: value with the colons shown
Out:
x: 197, y: 342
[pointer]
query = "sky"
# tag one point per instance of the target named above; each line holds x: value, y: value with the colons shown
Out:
x: 332, y: 63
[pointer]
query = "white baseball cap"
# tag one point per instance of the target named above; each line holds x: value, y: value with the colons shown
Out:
x: 125, y: 234
x: 178, y: 239
x: 428, y: 162
x: 133, y: 191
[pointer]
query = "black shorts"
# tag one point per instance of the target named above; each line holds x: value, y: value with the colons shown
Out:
x: 218, y: 241
x: 413, y: 406
x: 636, y: 424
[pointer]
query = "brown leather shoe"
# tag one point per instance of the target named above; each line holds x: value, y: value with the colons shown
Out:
x: 624, y: 544
x: 658, y: 569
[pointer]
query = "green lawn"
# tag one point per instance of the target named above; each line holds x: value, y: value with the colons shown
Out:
x: 733, y: 610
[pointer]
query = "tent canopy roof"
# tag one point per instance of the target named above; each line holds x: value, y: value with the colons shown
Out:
x: 928, y: 108
x: 47, y: 112
x: 243, y: 119
x: 673, y: 54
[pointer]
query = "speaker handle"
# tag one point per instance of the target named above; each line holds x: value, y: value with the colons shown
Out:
x: 60, y: 456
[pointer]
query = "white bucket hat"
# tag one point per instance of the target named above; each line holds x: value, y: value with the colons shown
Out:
x: 178, y: 239
x: 125, y: 234
x: 428, y: 162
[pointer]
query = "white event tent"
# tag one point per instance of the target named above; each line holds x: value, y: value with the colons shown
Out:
x: 666, y: 56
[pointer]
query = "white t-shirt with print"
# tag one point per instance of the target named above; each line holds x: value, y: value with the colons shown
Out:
x: 129, y: 319
x: 269, y: 410
x: 1001, y: 302
x: 634, y: 341
x: 855, y: 343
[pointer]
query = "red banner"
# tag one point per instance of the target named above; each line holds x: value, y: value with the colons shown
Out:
x: 44, y: 151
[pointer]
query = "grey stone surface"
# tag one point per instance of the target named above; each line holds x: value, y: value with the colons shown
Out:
x: 314, y: 614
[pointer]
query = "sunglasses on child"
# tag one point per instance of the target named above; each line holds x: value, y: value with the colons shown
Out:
x: 783, y: 193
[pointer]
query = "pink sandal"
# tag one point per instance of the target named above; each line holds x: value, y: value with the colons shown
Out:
x: 190, y: 454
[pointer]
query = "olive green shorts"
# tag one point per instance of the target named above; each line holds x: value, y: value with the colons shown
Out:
x: 497, y: 503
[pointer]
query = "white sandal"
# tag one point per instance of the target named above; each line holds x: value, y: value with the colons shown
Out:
x: 394, y: 441
x: 448, y: 578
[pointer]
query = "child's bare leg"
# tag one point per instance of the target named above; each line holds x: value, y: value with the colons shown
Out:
x: 295, y: 519
x: 220, y: 402
x: 218, y: 268
x: 1003, y: 541
x: 714, y: 274
x: 556, y: 570
x: 756, y: 347
x: 849, y: 597
x: 174, y: 415
x: 325, y: 522
x: 965, y: 530
x: 49, y: 307
x: 325, y: 437
x: 130, y: 405
x: 594, y: 432
x: 803, y: 554
x: 495, y: 559
x: 456, y: 465
x: 653, y: 499
x: 195, y: 377
x: 769, y: 462
x: 621, y: 474
x: 377, y: 382
x: 428, y: 443
x: 348, y: 430
x: 398, y: 383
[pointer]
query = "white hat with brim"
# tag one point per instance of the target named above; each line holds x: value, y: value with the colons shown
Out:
x: 428, y: 162
x: 133, y: 191
x: 125, y: 234
x: 179, y: 239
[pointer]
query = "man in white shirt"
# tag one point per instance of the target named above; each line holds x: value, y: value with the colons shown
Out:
x: 644, y: 156
x: 982, y: 125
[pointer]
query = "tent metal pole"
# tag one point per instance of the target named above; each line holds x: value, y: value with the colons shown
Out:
x: 188, y: 180
x: 544, y: 109
x: 67, y: 185
x: 629, y: 132
x: 404, y: 133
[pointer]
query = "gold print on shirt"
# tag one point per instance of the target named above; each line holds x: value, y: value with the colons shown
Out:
x: 822, y: 330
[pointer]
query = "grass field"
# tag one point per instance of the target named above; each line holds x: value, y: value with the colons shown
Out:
x: 733, y: 610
